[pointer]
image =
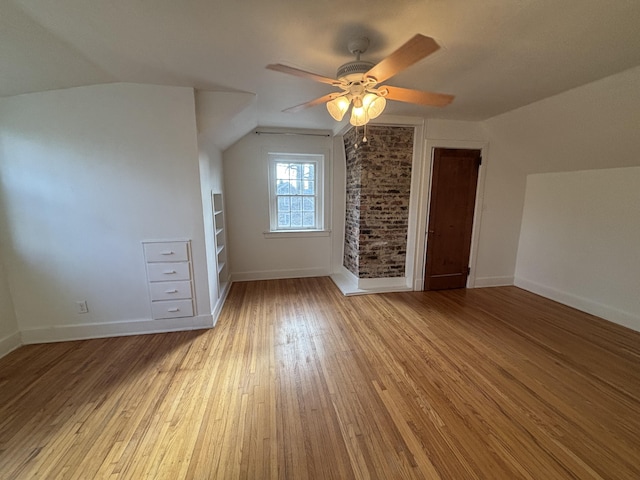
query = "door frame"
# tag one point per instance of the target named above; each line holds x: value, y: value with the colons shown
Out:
x: 424, y: 200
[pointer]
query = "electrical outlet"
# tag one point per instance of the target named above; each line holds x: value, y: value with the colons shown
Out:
x: 82, y: 306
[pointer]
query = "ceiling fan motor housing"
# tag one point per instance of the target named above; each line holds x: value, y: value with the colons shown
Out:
x: 353, y: 71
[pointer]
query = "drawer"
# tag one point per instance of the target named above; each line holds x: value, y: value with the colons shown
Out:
x: 166, y: 252
x: 170, y: 290
x: 166, y: 272
x: 172, y: 309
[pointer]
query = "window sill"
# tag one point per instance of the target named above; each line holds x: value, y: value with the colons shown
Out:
x: 297, y: 233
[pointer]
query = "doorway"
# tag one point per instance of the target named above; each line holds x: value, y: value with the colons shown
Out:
x: 454, y: 182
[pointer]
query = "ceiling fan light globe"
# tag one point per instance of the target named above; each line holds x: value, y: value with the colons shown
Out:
x: 358, y: 116
x: 374, y: 105
x: 338, y: 107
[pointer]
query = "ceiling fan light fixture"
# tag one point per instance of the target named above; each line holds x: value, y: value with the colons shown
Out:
x: 338, y: 107
x: 359, y: 116
x: 359, y: 81
x: 374, y: 105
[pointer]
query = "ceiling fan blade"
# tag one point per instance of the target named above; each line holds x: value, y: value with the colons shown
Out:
x: 313, y: 103
x: 411, y: 52
x: 278, y: 67
x: 418, y: 97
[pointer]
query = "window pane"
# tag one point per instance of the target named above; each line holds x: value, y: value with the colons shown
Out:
x: 308, y: 219
x: 281, y: 171
x: 294, y: 191
x: 309, y: 171
x: 296, y: 204
x: 282, y: 187
x: 283, y: 204
x: 283, y: 220
x: 295, y: 170
x: 308, y: 204
x: 296, y: 220
x: 308, y: 187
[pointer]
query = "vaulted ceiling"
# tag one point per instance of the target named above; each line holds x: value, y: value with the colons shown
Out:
x: 496, y: 55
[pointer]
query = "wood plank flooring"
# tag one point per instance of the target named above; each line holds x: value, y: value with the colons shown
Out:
x: 297, y: 381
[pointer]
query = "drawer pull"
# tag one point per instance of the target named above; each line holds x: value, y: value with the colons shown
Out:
x: 172, y: 310
x: 167, y: 252
x: 169, y: 272
x: 171, y: 291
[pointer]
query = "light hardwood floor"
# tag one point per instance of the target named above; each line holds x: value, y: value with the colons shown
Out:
x: 297, y: 381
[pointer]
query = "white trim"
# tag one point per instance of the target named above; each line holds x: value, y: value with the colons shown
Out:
x: 215, y: 314
x: 9, y: 343
x: 63, y: 333
x: 318, y: 159
x: 344, y: 284
x: 296, y: 233
x: 493, y: 282
x: 349, y: 284
x: 378, y: 283
x: 414, y: 203
x: 621, y: 317
x: 423, y: 207
x: 278, y: 274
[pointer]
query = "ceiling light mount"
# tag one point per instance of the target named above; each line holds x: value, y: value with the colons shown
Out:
x: 358, y: 46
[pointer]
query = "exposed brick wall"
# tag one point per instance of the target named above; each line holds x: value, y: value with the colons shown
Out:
x: 377, y: 212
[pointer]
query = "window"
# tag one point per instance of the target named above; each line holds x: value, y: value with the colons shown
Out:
x: 296, y: 202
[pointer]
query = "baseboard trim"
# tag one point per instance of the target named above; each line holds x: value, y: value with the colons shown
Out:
x: 621, y: 317
x: 493, y: 282
x: 63, y: 333
x: 349, y: 285
x: 9, y: 343
x: 278, y: 274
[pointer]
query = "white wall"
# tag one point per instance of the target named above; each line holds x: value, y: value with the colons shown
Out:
x: 252, y: 255
x: 580, y: 241
x: 505, y: 185
x: 86, y: 175
x: 591, y: 127
x: 9, y: 334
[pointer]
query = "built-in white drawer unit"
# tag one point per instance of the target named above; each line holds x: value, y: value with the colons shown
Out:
x: 168, y: 272
x: 166, y: 252
x: 170, y: 290
x: 172, y: 309
x: 170, y: 278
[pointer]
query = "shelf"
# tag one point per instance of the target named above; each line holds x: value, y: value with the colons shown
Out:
x: 220, y: 240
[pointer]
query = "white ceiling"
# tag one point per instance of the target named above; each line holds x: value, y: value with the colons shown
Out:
x: 496, y: 55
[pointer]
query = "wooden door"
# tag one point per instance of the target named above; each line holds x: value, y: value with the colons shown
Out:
x: 454, y: 181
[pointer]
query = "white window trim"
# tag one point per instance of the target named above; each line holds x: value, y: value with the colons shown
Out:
x: 319, y: 159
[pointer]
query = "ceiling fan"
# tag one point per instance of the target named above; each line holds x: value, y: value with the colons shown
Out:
x: 360, y: 82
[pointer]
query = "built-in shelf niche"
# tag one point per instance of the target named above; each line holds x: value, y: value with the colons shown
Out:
x: 220, y: 241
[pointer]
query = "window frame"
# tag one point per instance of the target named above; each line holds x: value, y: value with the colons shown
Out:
x: 318, y: 159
